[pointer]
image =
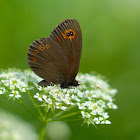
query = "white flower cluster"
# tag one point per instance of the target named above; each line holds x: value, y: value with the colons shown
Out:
x: 13, y: 128
x: 93, y: 97
x: 13, y: 82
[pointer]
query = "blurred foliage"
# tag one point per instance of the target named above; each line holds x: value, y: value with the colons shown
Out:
x: 111, y: 46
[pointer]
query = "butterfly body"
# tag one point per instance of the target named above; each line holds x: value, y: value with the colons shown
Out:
x: 56, y: 58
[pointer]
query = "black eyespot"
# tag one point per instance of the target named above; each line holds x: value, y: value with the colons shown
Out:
x: 71, y: 33
x: 68, y: 34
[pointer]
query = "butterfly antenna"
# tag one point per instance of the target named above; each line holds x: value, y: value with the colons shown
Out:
x: 96, y: 86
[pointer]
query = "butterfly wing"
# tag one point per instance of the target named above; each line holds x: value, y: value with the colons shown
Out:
x: 43, y: 59
x: 68, y: 37
x: 56, y: 58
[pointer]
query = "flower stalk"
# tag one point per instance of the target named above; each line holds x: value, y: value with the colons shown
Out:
x: 35, y: 105
x: 43, y: 130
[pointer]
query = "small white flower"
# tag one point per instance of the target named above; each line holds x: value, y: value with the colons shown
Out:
x: 106, y: 97
x: 60, y: 106
x: 95, y: 95
x: 101, y: 118
x: 63, y: 108
x: 92, y: 106
x: 105, y: 115
x: 94, y: 112
x: 81, y: 94
x: 108, y: 122
x: 104, y: 121
x: 48, y: 100
x: 14, y: 81
x: 22, y: 84
x: 81, y: 106
x: 12, y: 87
x: 40, y: 97
x: 85, y: 114
x: 2, y: 90
x: 6, y: 84
x: 40, y: 88
x: 112, y: 105
x: 69, y: 102
x: 100, y: 111
x: 54, y: 90
x: 113, y: 91
x: 74, y: 97
x: 101, y: 103
x: 88, y: 95
x: 96, y: 120
x: 15, y: 94
x: 23, y: 90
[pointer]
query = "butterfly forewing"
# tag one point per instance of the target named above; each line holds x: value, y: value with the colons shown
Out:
x: 70, y: 45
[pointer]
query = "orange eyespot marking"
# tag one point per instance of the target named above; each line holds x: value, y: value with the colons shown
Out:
x: 58, y: 39
x: 47, y: 46
x: 41, y: 47
x: 64, y: 36
x: 70, y: 34
x: 36, y: 51
x: 34, y: 59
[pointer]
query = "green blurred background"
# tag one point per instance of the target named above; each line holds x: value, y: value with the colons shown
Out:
x: 111, y: 47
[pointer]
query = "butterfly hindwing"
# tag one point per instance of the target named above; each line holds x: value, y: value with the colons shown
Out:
x: 43, y: 61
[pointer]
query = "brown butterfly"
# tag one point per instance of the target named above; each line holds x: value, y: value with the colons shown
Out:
x: 56, y: 58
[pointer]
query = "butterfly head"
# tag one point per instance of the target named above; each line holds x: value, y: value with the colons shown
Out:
x: 67, y: 84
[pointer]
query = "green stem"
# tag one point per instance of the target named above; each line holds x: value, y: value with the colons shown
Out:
x: 46, y: 112
x: 69, y: 115
x: 61, y: 112
x: 63, y: 117
x: 68, y: 120
x: 43, y: 130
x: 36, y: 105
x: 29, y: 109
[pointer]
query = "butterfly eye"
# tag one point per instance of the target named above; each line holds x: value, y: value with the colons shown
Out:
x: 68, y: 34
x: 71, y: 33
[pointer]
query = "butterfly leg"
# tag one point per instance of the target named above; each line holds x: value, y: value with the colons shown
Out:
x: 44, y: 83
x: 74, y: 83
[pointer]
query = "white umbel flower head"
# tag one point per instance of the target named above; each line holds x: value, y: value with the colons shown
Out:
x: 91, y: 99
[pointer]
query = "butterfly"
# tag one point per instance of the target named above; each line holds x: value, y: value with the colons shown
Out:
x: 56, y: 59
